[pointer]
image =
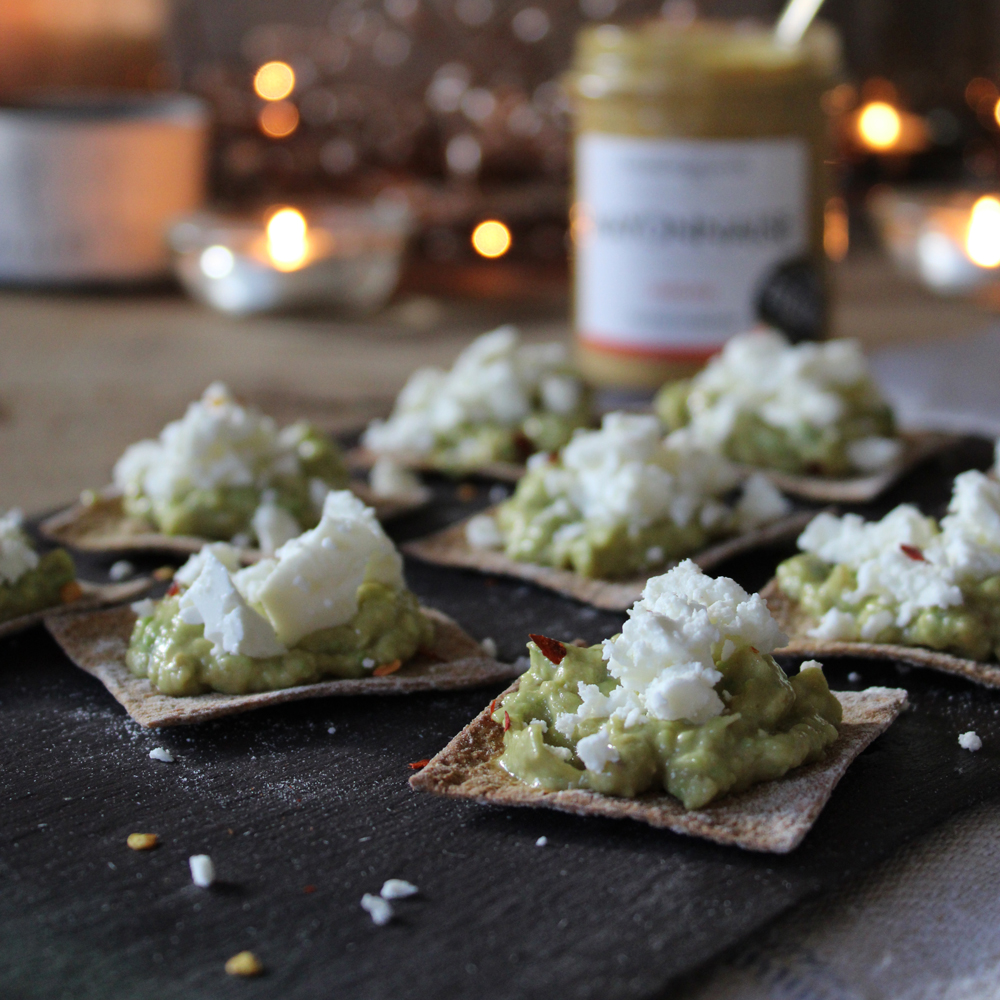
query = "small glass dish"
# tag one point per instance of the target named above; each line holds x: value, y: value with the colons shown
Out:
x: 345, y: 256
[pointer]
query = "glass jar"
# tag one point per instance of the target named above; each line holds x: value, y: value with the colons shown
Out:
x: 699, y: 182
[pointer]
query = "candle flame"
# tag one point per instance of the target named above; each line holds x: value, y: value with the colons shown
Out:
x: 491, y: 238
x: 982, y: 240
x: 879, y: 125
x: 287, y: 239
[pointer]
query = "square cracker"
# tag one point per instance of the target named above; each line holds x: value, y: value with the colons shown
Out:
x: 795, y: 623
x: 451, y: 548
x: 859, y: 489
x: 773, y: 816
x: 95, y: 595
x: 97, y: 643
x: 103, y: 526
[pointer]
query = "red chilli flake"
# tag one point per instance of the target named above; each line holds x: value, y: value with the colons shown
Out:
x: 173, y: 589
x: 506, y: 722
x: 493, y: 706
x: 913, y: 552
x: 418, y: 764
x: 552, y: 650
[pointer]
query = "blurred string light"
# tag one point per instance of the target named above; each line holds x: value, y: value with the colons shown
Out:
x: 836, y: 234
x: 982, y: 241
x: 287, y: 239
x: 278, y: 119
x: 879, y: 125
x: 491, y: 239
x: 216, y: 261
x: 274, y: 81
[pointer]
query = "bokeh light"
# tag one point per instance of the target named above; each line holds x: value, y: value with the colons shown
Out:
x: 836, y: 234
x: 982, y: 241
x: 287, y: 239
x: 216, y: 261
x: 278, y: 119
x: 274, y: 81
x: 879, y: 125
x: 491, y: 239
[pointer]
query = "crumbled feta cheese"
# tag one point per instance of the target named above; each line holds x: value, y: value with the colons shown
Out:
x: 312, y: 582
x: 811, y: 665
x: 16, y: 554
x: 761, y: 503
x: 202, y: 870
x: 230, y: 623
x: 496, y: 379
x: 489, y: 647
x: 785, y: 385
x: 379, y: 909
x: 216, y: 443
x: 397, y: 888
x: 872, y: 454
x: 665, y: 657
x: 596, y: 751
x: 227, y: 554
x: 143, y: 608
x: 541, y: 842
x: 120, y: 570
x: 854, y: 677
x: 273, y: 526
x: 482, y: 532
x: 390, y: 479
x: 970, y: 741
x: 837, y: 626
x: 161, y: 753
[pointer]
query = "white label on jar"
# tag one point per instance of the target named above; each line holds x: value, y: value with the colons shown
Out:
x: 674, y: 237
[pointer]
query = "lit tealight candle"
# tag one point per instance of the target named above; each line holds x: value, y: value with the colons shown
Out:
x: 287, y: 239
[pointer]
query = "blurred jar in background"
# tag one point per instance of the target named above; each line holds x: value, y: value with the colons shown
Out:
x: 106, y: 44
x: 699, y: 191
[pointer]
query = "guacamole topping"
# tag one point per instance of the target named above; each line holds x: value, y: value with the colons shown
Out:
x: 804, y: 408
x: 621, y: 500
x: 225, y: 470
x: 331, y: 603
x: 501, y: 401
x: 906, y: 579
x: 29, y: 582
x: 687, y: 699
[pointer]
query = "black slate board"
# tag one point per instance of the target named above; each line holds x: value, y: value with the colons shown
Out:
x: 606, y: 909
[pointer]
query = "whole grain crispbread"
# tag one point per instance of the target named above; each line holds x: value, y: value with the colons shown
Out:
x: 450, y: 547
x: 795, y: 623
x: 103, y: 525
x: 773, y: 816
x: 362, y: 459
x: 94, y: 595
x: 859, y: 489
x: 97, y: 643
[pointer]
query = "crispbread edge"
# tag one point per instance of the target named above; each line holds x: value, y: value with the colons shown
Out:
x: 362, y: 459
x: 917, y: 445
x: 772, y: 817
x: 451, y: 548
x: 795, y: 623
x: 95, y: 595
x: 103, y: 526
x: 97, y: 643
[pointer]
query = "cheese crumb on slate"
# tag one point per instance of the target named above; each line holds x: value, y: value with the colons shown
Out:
x: 120, y: 570
x: 397, y: 888
x: 854, y: 677
x: 161, y: 753
x: 970, y: 741
x: 246, y: 963
x: 377, y: 908
x: 202, y: 870
x: 489, y: 647
x: 541, y: 842
x: 142, y: 841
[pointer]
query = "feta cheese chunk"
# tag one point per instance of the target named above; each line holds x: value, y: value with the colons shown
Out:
x: 390, y: 479
x: 312, y: 582
x: 483, y: 532
x: 162, y: 754
x: 970, y: 741
x: 379, y: 909
x: 273, y: 526
x: 16, y: 554
x: 397, y: 888
x: 202, y: 870
x: 227, y: 554
x: 230, y: 623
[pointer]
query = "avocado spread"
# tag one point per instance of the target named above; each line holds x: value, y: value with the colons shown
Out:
x: 685, y: 703
x: 179, y: 660
x: 809, y: 408
x: 620, y: 500
x: 906, y: 579
x: 500, y: 402
x: 211, y: 472
x: 38, y: 588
